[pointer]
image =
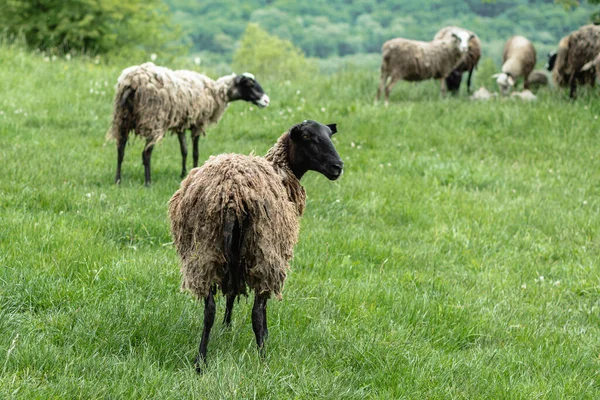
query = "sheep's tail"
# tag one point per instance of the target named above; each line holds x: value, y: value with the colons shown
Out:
x: 122, y: 121
x: 233, y: 238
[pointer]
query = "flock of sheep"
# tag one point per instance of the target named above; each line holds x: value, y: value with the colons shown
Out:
x: 455, y: 50
x: 235, y: 220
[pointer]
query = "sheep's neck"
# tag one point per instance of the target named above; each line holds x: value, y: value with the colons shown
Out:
x: 279, y: 156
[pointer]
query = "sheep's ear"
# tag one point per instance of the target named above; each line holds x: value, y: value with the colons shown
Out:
x: 296, y: 132
x: 511, y: 81
x: 471, y: 36
x: 495, y: 76
x: 333, y: 128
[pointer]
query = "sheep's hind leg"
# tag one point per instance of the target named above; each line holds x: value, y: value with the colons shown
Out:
x: 388, y: 89
x: 209, y: 319
x: 228, y: 310
x: 195, y: 139
x: 121, y: 143
x: 146, y: 156
x: 259, y: 320
x: 184, y: 152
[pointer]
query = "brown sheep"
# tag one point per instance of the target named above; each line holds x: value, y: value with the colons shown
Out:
x: 469, y: 61
x: 557, y: 63
x: 152, y: 100
x: 413, y: 60
x: 235, y: 221
x: 518, y: 60
x: 583, y: 47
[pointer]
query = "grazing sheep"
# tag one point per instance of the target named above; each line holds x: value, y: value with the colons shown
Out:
x: 584, y: 46
x: 235, y: 221
x: 518, y: 60
x: 152, y: 100
x: 558, y: 60
x: 413, y: 60
x: 537, y: 79
x: 468, y: 62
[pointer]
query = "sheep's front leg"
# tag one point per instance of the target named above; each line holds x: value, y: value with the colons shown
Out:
x: 146, y: 156
x: 443, y: 86
x: 469, y: 81
x: 195, y: 151
x: 209, y: 319
x: 259, y: 320
x: 184, y: 152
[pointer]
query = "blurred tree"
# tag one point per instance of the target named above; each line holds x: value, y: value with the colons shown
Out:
x: 270, y: 56
x: 90, y: 26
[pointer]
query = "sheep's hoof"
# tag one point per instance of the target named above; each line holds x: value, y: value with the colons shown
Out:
x: 198, y: 369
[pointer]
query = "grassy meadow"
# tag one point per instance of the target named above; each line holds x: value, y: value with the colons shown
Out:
x: 457, y: 257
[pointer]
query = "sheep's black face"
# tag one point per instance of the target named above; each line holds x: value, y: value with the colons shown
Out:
x: 248, y: 89
x: 313, y: 150
x: 551, y: 60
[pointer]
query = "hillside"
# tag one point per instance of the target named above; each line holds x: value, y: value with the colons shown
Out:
x: 340, y: 28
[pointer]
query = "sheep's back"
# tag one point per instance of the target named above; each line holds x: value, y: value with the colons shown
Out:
x: 250, y: 188
x: 411, y: 60
x: 584, y: 46
x: 165, y: 99
x: 518, y: 57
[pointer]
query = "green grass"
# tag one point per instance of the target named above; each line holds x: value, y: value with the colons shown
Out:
x: 418, y: 274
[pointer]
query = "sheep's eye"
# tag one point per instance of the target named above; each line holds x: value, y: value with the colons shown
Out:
x: 250, y: 83
x: 305, y: 136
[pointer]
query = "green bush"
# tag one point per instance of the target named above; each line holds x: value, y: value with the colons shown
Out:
x: 269, y: 56
x: 90, y: 26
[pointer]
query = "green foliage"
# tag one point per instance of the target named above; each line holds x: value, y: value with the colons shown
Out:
x: 417, y: 274
x: 339, y: 27
x: 90, y: 26
x: 269, y: 56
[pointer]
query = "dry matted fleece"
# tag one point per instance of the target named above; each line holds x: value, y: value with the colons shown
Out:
x: 267, y: 200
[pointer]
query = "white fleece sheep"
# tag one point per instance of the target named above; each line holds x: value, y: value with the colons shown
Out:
x: 151, y: 100
x: 413, y: 60
x: 518, y: 60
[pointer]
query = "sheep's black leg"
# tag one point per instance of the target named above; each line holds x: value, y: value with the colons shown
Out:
x: 469, y: 81
x: 146, y: 155
x: 209, y: 319
x: 228, y: 309
x: 195, y: 145
x: 259, y: 322
x: 183, y: 148
x: 265, y: 328
x: 120, y: 154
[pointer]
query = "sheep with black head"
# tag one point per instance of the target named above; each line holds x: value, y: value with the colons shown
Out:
x: 235, y: 222
x: 151, y: 100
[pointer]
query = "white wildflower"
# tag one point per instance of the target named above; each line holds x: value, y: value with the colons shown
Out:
x: 524, y: 286
x: 197, y: 60
x: 153, y: 57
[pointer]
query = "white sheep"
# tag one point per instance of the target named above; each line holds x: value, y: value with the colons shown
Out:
x: 518, y: 60
x: 235, y: 221
x: 413, y: 60
x: 151, y: 100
